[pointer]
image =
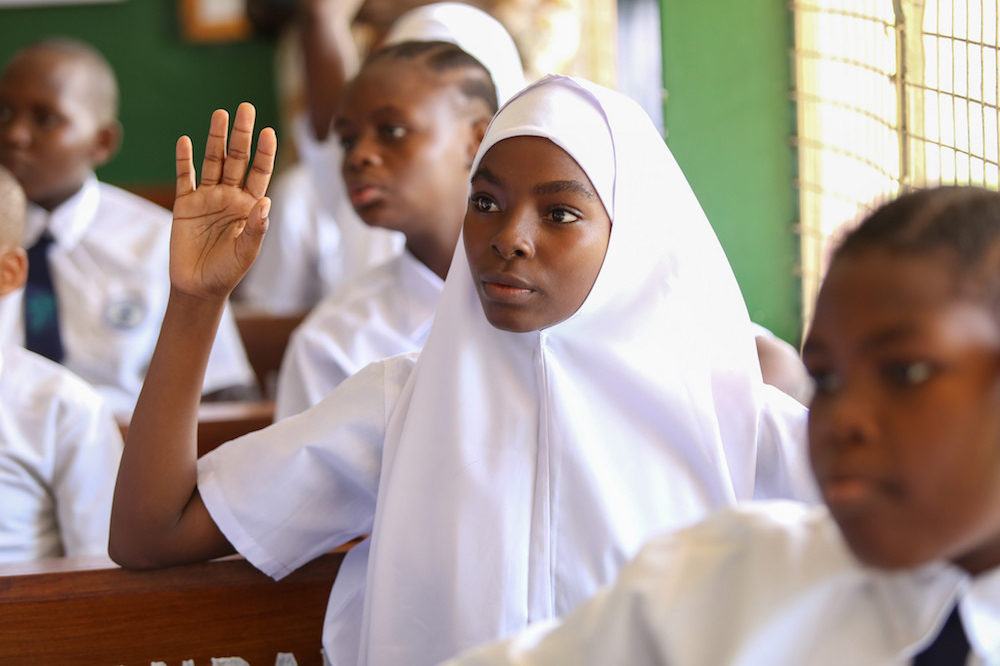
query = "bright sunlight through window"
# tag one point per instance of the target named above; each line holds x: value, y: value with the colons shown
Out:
x: 890, y: 95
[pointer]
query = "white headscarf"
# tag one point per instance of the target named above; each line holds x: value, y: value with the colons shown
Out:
x: 520, y: 470
x: 470, y: 29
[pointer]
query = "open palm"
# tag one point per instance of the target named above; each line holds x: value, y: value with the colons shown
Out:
x: 220, y: 223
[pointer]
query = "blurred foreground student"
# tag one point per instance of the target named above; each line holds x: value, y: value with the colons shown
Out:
x: 903, y: 564
x: 547, y: 428
x: 59, y: 445
x: 98, y: 282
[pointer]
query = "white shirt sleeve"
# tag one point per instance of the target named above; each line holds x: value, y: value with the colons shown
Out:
x: 750, y: 585
x: 611, y: 628
x: 84, y: 472
x: 290, y: 492
x: 59, y: 454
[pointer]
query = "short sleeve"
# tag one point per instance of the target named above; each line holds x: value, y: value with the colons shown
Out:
x: 88, y: 448
x: 290, y: 492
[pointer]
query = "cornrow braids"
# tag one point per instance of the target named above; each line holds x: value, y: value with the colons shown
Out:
x: 444, y: 57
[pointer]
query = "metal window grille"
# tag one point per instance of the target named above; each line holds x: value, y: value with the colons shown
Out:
x: 890, y: 95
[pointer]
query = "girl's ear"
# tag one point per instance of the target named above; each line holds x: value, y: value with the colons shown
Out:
x: 13, y: 269
x: 479, y: 127
x: 106, y: 143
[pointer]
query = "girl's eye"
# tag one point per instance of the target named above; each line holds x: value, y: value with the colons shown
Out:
x: 563, y: 215
x: 912, y: 373
x: 825, y: 382
x: 483, y: 203
x: 394, y: 132
x: 347, y: 141
x: 46, y: 119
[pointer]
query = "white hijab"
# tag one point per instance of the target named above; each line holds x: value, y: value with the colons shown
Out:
x: 521, y: 470
x: 470, y: 29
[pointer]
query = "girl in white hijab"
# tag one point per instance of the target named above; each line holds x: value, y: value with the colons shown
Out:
x: 590, y: 380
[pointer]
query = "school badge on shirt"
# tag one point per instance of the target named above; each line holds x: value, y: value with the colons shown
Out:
x: 125, y: 311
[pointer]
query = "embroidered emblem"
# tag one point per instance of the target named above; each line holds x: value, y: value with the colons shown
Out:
x: 125, y: 311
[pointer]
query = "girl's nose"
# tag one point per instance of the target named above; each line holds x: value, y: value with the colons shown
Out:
x: 362, y: 153
x: 513, y: 237
x: 846, y: 419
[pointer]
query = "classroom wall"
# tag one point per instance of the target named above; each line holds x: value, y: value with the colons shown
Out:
x: 169, y: 86
x: 729, y: 120
x: 728, y: 116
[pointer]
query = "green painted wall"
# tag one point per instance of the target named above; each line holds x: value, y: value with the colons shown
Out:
x: 169, y: 86
x: 729, y: 119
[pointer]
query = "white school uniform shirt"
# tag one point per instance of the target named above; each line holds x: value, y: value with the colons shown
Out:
x: 505, y: 477
x: 772, y: 584
x: 110, y: 270
x: 387, y: 311
x: 59, y: 453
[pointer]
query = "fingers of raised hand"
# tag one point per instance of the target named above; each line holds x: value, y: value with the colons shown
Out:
x: 239, y: 145
x: 228, y: 166
x: 185, y: 167
x: 263, y: 163
x: 215, y: 148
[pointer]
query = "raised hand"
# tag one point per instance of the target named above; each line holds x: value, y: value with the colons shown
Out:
x: 219, y: 225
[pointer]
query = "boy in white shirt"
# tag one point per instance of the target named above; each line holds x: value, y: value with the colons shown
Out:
x: 59, y: 445
x: 903, y: 563
x: 106, y: 249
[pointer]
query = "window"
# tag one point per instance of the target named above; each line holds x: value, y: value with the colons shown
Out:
x: 890, y: 94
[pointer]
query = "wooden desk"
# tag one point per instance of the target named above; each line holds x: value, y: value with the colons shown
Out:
x: 72, y: 611
x: 265, y: 337
x: 219, y: 422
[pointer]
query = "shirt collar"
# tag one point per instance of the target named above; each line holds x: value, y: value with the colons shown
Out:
x: 981, y: 615
x: 68, y: 221
x: 916, y: 602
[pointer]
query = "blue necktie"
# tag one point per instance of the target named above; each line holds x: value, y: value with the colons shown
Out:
x: 950, y: 648
x: 41, y: 317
